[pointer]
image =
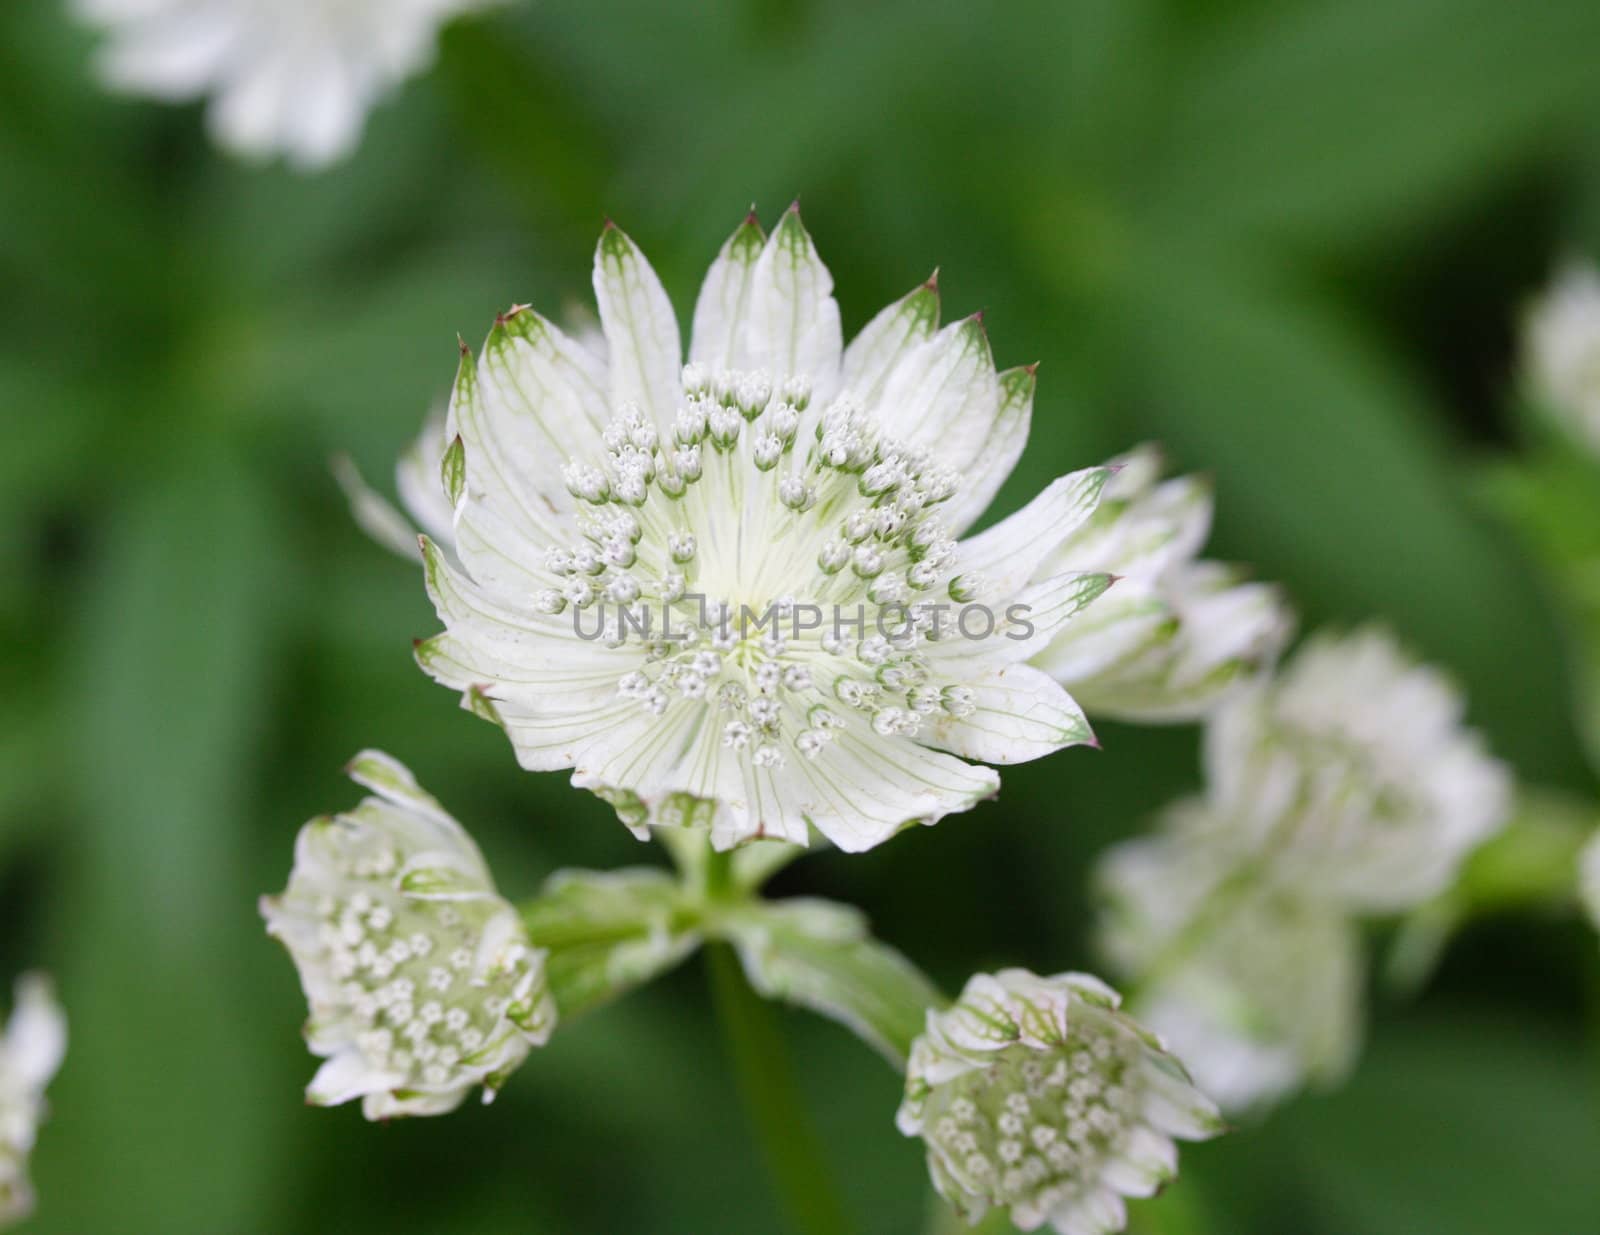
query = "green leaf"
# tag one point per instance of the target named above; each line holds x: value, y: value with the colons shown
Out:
x: 1334, y: 122
x: 162, y: 964
x: 822, y: 956
x: 608, y: 932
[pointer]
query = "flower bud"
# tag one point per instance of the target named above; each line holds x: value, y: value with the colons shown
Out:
x: 419, y: 976
x: 1038, y: 1095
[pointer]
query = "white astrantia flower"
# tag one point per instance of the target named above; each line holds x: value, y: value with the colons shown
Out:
x: 1040, y: 1096
x: 1589, y: 879
x: 419, y: 976
x: 1176, y: 633
x: 1258, y: 991
x: 290, y: 77
x: 784, y: 512
x: 31, y: 1050
x: 1561, y: 350
x: 1351, y: 776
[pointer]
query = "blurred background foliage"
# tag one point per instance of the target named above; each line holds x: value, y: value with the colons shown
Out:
x: 1287, y: 239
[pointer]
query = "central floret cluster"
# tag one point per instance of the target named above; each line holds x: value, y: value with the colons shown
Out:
x: 820, y: 598
x: 1027, y: 1130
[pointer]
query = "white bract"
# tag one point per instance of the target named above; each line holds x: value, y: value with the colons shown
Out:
x: 1589, y: 879
x: 419, y: 976
x: 1351, y: 777
x: 730, y: 592
x: 1257, y: 991
x: 1038, y: 1095
x: 1176, y: 633
x: 1561, y: 350
x: 30, y: 1052
x: 291, y: 77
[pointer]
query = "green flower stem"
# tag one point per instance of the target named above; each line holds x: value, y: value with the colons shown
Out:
x: 718, y: 875
x: 772, y: 1099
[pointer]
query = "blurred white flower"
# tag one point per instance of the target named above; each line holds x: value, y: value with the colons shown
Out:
x: 419, y: 976
x: 783, y: 511
x: 1561, y: 350
x: 1040, y: 1096
x: 1589, y: 879
x: 1351, y: 777
x: 30, y: 1052
x: 1258, y: 992
x: 1175, y: 633
x: 291, y: 77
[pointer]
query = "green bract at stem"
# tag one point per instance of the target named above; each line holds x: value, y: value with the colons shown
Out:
x: 607, y: 932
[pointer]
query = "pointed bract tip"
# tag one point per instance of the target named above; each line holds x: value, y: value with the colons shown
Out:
x: 794, y: 208
x: 608, y: 225
x: 462, y: 344
x: 751, y: 218
x: 1032, y: 370
x: 417, y: 643
x: 931, y: 283
x: 977, y: 318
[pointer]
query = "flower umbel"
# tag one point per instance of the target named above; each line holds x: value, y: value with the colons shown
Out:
x: 1351, y: 776
x: 295, y: 77
x: 1039, y: 1095
x: 420, y: 978
x: 30, y: 1052
x: 730, y: 593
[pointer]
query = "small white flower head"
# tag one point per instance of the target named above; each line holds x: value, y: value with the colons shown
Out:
x: 30, y: 1052
x: 729, y: 592
x: 1353, y: 775
x: 1561, y: 351
x: 419, y: 976
x: 1040, y: 1096
x: 290, y: 77
x: 1259, y: 992
x: 1589, y: 879
x: 1175, y: 634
